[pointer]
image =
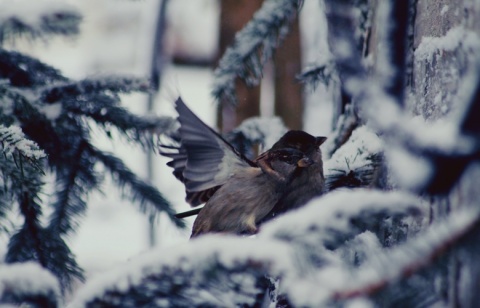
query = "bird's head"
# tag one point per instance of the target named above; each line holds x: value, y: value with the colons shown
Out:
x: 301, y: 142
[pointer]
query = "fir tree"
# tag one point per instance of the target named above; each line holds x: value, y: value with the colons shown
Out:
x: 398, y: 242
x: 46, y: 120
x: 399, y: 226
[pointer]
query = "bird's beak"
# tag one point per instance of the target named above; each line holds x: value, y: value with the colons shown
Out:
x: 320, y: 140
x: 304, y: 162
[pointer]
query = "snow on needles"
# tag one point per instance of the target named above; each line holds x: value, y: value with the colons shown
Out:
x: 333, y: 211
x: 263, y: 33
x: 390, y: 264
x: 356, y: 152
x: 27, y: 278
x: 453, y: 39
x: 189, y: 262
x: 192, y: 265
x: 13, y: 139
x: 39, y: 17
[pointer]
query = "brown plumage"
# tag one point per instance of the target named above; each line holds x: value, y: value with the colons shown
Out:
x: 249, y: 195
x: 306, y: 183
x: 240, y: 193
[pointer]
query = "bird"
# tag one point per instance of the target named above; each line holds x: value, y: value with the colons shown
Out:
x: 240, y: 193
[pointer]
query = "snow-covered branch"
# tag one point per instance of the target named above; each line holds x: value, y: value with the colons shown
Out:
x: 37, y: 19
x: 356, y: 162
x: 424, y: 156
x: 212, y: 271
x: 24, y: 71
x: 385, y: 267
x: 329, y: 220
x: 253, y: 47
x: 112, y: 85
x: 28, y: 284
x: 14, y: 141
x: 223, y: 270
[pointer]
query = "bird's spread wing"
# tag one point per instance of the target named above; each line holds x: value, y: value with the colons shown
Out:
x: 204, y: 161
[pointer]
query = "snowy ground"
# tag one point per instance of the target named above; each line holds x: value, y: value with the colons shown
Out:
x: 116, y: 39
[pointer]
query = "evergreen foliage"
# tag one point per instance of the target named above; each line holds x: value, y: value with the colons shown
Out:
x: 398, y: 227
x: 45, y: 124
x: 352, y: 246
x: 37, y: 19
x: 253, y: 47
x: 19, y: 289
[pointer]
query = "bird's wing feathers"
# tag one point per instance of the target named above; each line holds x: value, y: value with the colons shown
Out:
x: 204, y: 160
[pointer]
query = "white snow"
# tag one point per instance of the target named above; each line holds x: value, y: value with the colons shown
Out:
x: 315, y: 289
x: 229, y: 251
x: 355, y: 152
x: 51, y: 111
x: 444, y: 10
x: 186, y: 36
x: 332, y: 211
x: 453, y: 39
x: 408, y: 170
x: 27, y: 278
x: 258, y: 128
x: 114, y: 40
x: 13, y: 140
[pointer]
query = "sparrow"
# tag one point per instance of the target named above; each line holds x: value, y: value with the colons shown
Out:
x: 306, y: 183
x: 240, y: 193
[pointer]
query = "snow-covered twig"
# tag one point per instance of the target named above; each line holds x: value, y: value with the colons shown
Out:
x: 213, y: 271
x: 108, y: 84
x: 405, y: 260
x: 28, y: 284
x: 355, y: 163
x: 327, y: 221
x: 37, y: 18
x: 253, y: 47
x: 14, y: 141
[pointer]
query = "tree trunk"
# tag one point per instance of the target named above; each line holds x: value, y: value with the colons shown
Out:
x: 288, y: 92
x: 234, y: 14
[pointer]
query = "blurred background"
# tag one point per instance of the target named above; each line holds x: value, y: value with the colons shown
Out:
x: 185, y: 38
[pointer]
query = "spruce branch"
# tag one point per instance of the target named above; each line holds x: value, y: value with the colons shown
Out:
x: 98, y: 99
x: 26, y: 72
x: 19, y: 286
x: 338, y: 216
x: 20, y: 165
x: 15, y: 144
x: 220, y: 276
x: 135, y: 128
x: 253, y: 47
x: 112, y: 85
x: 148, y: 196
x: 408, y: 258
x: 73, y: 185
x: 37, y: 19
